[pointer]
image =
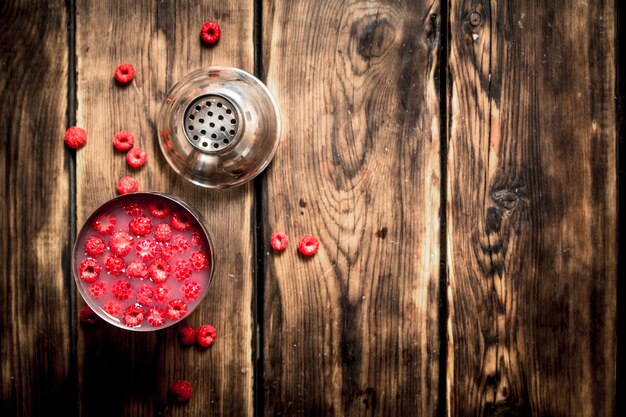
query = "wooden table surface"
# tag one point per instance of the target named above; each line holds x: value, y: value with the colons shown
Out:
x: 457, y: 161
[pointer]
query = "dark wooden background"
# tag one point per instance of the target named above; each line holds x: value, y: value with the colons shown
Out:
x: 457, y: 160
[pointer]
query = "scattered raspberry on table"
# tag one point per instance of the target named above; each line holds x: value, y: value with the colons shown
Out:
x: 187, y: 335
x: 181, y: 390
x: 75, y: 137
x: 308, y: 245
x: 279, y: 240
x: 124, y: 73
x: 87, y: 317
x: 210, y: 32
x: 206, y: 335
x: 136, y: 157
x: 127, y: 185
x: 123, y: 140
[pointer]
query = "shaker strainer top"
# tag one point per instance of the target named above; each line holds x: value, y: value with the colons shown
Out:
x: 219, y: 127
x: 211, y: 123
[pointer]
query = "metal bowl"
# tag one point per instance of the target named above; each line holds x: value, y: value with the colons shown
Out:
x: 219, y: 127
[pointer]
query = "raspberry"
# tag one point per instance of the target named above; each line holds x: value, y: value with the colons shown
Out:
x: 210, y: 32
x: 279, y: 240
x: 162, y: 293
x: 146, y: 249
x: 114, y: 264
x: 113, y: 307
x: 121, y: 243
x: 87, y: 317
x: 122, y: 289
x: 191, y: 290
x: 176, y: 309
x: 196, y: 240
x: 89, y: 270
x: 187, y: 335
x: 95, y: 246
x: 137, y: 269
x: 166, y: 252
x: 159, y: 270
x: 133, y: 209
x: 140, y: 226
x: 127, y: 185
x: 182, y: 270
x: 181, y: 390
x: 206, y: 335
x: 162, y: 232
x: 136, y: 157
x: 308, y: 245
x: 133, y: 315
x: 123, y: 140
x: 124, y: 73
x: 145, y: 294
x: 104, y: 224
x: 156, y: 316
x: 180, y: 244
x: 180, y: 221
x: 158, y: 209
x: 199, y: 261
x: 75, y: 137
x: 98, y: 289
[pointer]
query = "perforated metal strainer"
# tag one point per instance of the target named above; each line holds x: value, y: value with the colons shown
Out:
x: 219, y: 127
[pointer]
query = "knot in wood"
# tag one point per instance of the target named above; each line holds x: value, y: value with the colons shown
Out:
x: 476, y: 19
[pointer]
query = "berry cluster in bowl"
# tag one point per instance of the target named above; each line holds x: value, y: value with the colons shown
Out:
x: 143, y: 261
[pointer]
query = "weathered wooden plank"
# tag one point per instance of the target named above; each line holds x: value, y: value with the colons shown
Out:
x: 353, y: 331
x: 161, y: 39
x: 532, y: 208
x: 34, y: 291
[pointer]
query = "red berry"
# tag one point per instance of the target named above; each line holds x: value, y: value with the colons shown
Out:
x: 206, y: 335
x: 182, y: 270
x: 196, y: 240
x: 140, y: 226
x: 113, y: 307
x: 137, y: 269
x: 123, y: 140
x: 104, y: 224
x: 179, y: 243
x: 75, y: 137
x: 187, y: 335
x: 89, y: 270
x: 210, y: 32
x: 166, y: 252
x: 87, y: 317
x: 121, y: 243
x: 180, y: 221
x: 162, y: 293
x: 127, y: 185
x: 146, y: 249
x: 162, y: 232
x: 176, y: 309
x: 133, y: 209
x: 158, y: 209
x: 124, y: 73
x: 156, y: 316
x: 181, y: 390
x: 121, y: 289
x: 199, y: 261
x: 133, y: 315
x: 159, y: 270
x: 190, y: 290
x: 145, y: 293
x: 95, y: 246
x: 136, y: 157
x: 114, y: 264
x: 279, y: 240
x: 98, y: 289
x: 308, y: 245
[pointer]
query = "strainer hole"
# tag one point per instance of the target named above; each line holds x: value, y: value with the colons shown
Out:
x: 201, y: 120
x: 223, y: 129
x: 212, y: 124
x: 208, y: 104
x: 205, y: 144
x: 214, y: 136
x: 232, y: 132
x: 210, y: 113
x: 191, y: 116
x: 195, y: 137
x: 233, y: 121
x: 220, y: 117
x: 198, y: 108
x: 215, y: 145
x: 219, y: 104
x: 228, y: 111
x: 203, y: 132
x: 190, y: 127
x: 225, y: 141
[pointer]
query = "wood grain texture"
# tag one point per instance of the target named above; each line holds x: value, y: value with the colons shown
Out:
x: 353, y: 330
x: 161, y: 39
x: 34, y: 285
x: 532, y: 209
